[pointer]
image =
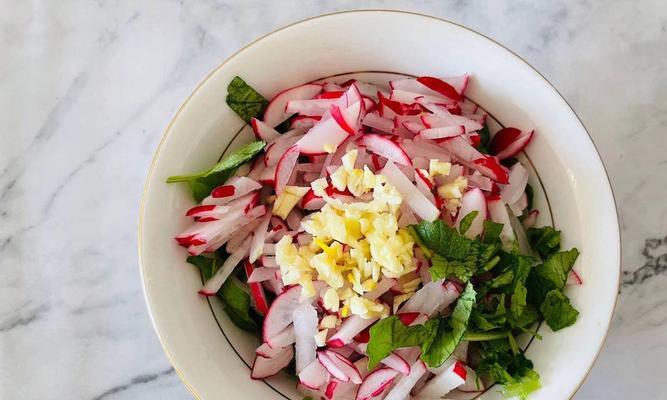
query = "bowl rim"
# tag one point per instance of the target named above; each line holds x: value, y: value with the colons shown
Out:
x: 215, y: 69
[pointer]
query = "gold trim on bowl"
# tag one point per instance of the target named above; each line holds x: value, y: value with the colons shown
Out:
x: 208, y: 76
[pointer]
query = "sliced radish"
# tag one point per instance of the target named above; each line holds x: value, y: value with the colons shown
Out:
x: 507, y: 142
x: 375, y: 121
x: 476, y: 179
x: 397, y: 362
x: 256, y: 290
x: 518, y: 179
x: 406, y: 97
x: 235, y: 188
x: 266, y: 367
x: 339, y: 366
x: 375, y: 383
x: 267, y: 351
x: 348, y: 330
x: 277, y: 148
x: 285, y: 168
x: 314, y: 375
x: 442, y: 133
x: 275, y: 112
x: 329, y: 132
x: 425, y: 149
x: 214, y: 283
x: 473, y: 200
x: 280, y: 314
x: 490, y: 167
x: 309, y: 107
x: 369, y: 90
x: 498, y: 214
x: 472, y: 384
x: 311, y: 201
x: 304, y: 121
x: 263, y: 131
x: 262, y: 274
x: 347, y: 125
x: 382, y: 287
x: 442, y: 87
x: 259, y: 236
x: 305, y: 328
x: 412, y: 196
x: 531, y: 219
x: 386, y: 148
x: 447, y: 381
x: 332, y: 87
x: 442, y: 118
x: 402, y: 389
x: 573, y: 278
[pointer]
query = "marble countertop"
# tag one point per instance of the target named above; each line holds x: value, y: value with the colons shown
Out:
x: 87, y: 88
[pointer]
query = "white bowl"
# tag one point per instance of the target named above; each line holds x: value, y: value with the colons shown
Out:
x: 209, y: 353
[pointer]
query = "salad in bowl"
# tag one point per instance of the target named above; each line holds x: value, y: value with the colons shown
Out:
x: 380, y: 241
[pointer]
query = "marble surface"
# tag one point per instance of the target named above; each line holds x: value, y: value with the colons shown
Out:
x: 87, y: 87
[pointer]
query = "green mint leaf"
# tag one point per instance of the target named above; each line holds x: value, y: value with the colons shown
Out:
x: 545, y: 240
x: 443, y: 268
x: 467, y: 221
x: 390, y: 334
x: 207, y: 265
x: 202, y: 183
x: 492, y: 231
x: 443, y: 240
x: 557, y: 310
x: 244, y: 100
x: 236, y: 303
x: 550, y: 275
x: 446, y: 339
x: 517, y: 302
x: 523, y: 386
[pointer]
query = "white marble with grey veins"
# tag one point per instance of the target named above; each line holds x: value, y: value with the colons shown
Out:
x: 87, y: 87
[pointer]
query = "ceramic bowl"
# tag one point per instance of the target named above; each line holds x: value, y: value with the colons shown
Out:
x: 209, y: 353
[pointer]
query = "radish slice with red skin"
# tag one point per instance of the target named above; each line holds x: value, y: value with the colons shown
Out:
x: 223, y: 230
x: 386, y: 148
x: 447, y: 381
x: 425, y: 186
x: 441, y: 133
x: 263, y: 131
x: 397, y: 363
x: 412, y: 196
x: 388, y: 108
x: 268, y: 261
x: 269, y: 248
x: 348, y: 330
x: 476, y: 179
x: 507, y: 142
x: 381, y: 288
x: 332, y: 87
x: 440, y: 86
x: 531, y: 219
x: 259, y: 237
x: 309, y: 107
x: 294, y: 220
x: 442, y: 118
x: 489, y: 166
x: 283, y: 338
x: 573, y: 278
x: 214, y: 283
x: 518, y: 179
x: 331, y: 366
x: 370, y: 90
x: 256, y: 291
x: 276, y: 149
x: 233, y: 189
x: 337, y: 115
x: 402, y: 389
x: 311, y: 201
x: 304, y: 121
x: 268, y: 176
x: 285, y: 168
x: 407, y: 318
x: 280, y: 314
x: 266, y: 367
x: 473, y: 200
x: 375, y: 383
x: 341, y: 364
x: 329, y: 132
x: 375, y: 121
x: 262, y: 274
x: 426, y: 149
x: 406, y: 97
x: 330, y: 95
x: 314, y: 375
x: 267, y: 351
x: 498, y: 214
x: 305, y: 328
x: 275, y: 113
x: 472, y: 384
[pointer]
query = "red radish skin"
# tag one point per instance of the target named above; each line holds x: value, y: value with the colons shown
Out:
x: 257, y: 291
x: 275, y: 111
x: 440, y: 86
x: 263, y: 131
x: 338, y: 117
x: 329, y: 132
x: 407, y: 318
x: 285, y: 168
x: 265, y: 367
x: 385, y: 148
x: 490, y: 167
x: 375, y: 383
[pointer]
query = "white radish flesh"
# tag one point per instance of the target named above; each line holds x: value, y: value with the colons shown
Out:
x: 314, y: 375
x: 402, y: 389
x: 412, y: 196
x: 375, y: 383
x: 266, y: 367
x: 275, y: 112
x: 305, y: 328
x: 215, y: 282
x: 447, y: 381
x: 473, y: 200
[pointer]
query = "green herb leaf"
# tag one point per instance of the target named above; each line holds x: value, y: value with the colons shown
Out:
x: 467, y: 221
x: 514, y: 371
x: 492, y: 231
x: 530, y: 195
x: 443, y: 240
x: 236, y: 302
x: 446, y: 339
x: 390, y: 334
x: 550, y: 275
x: 202, y: 183
x: 443, y: 267
x: 523, y: 386
x: 484, y: 137
x: 244, y: 100
x: 545, y: 240
x: 557, y: 310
